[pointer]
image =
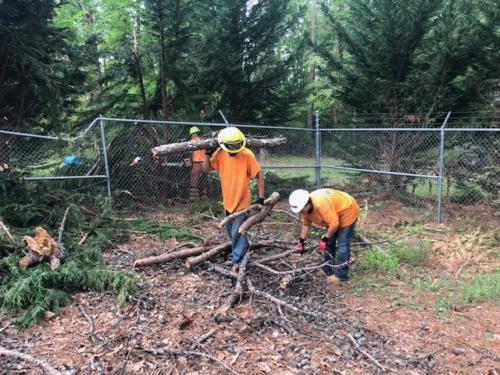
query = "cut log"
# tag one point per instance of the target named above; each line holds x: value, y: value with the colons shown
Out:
x: 194, y: 261
x: 169, y: 256
x: 257, y: 218
x: 175, y: 148
x: 30, y: 259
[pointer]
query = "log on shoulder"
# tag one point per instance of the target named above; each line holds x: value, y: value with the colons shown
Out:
x: 175, y: 148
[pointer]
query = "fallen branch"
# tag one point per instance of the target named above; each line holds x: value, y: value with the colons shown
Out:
x: 7, y: 232
x: 234, y: 215
x: 181, y: 254
x: 60, y: 252
x: 275, y: 300
x: 200, y: 340
x: 367, y: 355
x: 189, y: 353
x: 238, y: 289
x: 222, y: 270
x: 175, y: 148
x: 194, y: 261
x: 257, y: 218
x: 44, y: 366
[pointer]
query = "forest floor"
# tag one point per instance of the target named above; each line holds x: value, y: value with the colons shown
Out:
x: 433, y: 308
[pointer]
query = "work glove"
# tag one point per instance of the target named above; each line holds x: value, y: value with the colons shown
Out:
x: 211, y: 150
x: 259, y: 201
x: 300, y: 245
x: 323, y: 243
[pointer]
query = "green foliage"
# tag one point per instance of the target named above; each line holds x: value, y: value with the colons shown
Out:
x: 398, y: 253
x: 481, y: 288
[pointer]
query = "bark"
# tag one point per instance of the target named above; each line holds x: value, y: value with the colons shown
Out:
x: 194, y: 261
x: 169, y: 256
x: 44, y: 366
x: 175, y: 148
x: 233, y: 216
x: 257, y: 218
x: 30, y: 259
x: 238, y: 289
x: 312, y: 66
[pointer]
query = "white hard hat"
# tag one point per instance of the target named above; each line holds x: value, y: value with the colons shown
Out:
x: 298, y: 200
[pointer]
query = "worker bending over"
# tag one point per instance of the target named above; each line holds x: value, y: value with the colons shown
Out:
x: 337, y: 212
x: 236, y: 165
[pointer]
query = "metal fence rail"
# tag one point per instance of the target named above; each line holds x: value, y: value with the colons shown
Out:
x: 432, y: 170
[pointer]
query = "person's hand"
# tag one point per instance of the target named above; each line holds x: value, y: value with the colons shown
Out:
x: 300, y: 245
x: 211, y: 150
x: 259, y: 201
x: 322, y: 244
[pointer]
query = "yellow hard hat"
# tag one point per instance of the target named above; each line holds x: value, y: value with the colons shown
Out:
x: 193, y: 130
x: 231, y: 139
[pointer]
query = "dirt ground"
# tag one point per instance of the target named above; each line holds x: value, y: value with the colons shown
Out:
x: 344, y: 329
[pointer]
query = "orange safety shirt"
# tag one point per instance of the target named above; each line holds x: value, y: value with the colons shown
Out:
x: 235, y: 172
x: 331, y: 208
x: 198, y: 155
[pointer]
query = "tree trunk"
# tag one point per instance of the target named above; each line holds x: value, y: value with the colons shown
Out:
x: 175, y: 148
x: 312, y: 66
x: 169, y: 256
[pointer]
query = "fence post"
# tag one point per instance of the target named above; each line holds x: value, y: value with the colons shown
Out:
x: 105, y: 155
x: 318, y: 153
x: 441, y: 168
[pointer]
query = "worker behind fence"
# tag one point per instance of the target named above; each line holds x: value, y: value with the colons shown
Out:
x: 236, y: 165
x: 197, y: 186
x: 335, y: 210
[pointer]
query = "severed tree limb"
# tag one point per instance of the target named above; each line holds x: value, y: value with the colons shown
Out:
x: 44, y: 366
x: 60, y: 252
x: 189, y: 353
x: 238, y: 289
x: 7, y: 232
x: 270, y: 200
x: 367, y: 355
x: 222, y: 270
x: 194, y: 261
x: 275, y: 300
x: 259, y: 217
x: 143, y: 262
x: 234, y: 215
x: 175, y: 148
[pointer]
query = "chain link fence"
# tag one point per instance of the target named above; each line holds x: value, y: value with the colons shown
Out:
x: 410, y: 168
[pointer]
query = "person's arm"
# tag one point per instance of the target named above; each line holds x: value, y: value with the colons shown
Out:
x: 260, y: 185
x: 331, y: 231
x: 207, y: 167
x: 304, y: 231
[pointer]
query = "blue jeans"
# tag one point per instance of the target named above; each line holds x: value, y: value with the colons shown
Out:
x: 343, y: 237
x: 239, y: 242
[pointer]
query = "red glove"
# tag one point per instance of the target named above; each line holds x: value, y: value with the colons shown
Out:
x: 322, y: 243
x: 300, y: 245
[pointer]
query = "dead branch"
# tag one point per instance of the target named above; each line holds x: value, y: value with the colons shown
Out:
x: 60, y: 252
x: 367, y: 355
x: 257, y: 218
x: 271, y: 200
x: 222, y: 270
x: 44, y: 366
x: 91, y: 323
x: 200, y: 340
x: 298, y: 270
x: 234, y: 215
x: 7, y: 232
x: 189, y: 353
x: 175, y: 148
x: 275, y: 300
x: 238, y: 289
x: 194, y: 261
x: 181, y: 254
x: 271, y: 258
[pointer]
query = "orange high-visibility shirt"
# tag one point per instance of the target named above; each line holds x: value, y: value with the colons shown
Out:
x: 198, y: 155
x: 331, y: 208
x: 235, y: 172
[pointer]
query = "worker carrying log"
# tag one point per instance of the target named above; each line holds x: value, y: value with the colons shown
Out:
x: 197, y: 187
x: 236, y: 165
x: 335, y: 210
